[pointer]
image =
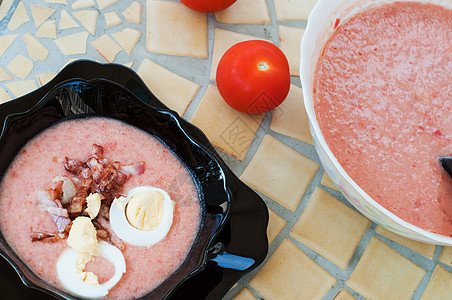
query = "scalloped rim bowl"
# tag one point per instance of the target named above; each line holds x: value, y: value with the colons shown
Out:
x: 319, y: 28
x: 225, y: 200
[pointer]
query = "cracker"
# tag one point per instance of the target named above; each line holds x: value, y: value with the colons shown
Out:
x: 133, y: 13
x: 4, y: 96
x: 127, y: 39
x: 48, y: 30
x: 40, y: 13
x: 106, y: 47
x: 83, y: 4
x: 166, y: 31
x: 73, y: 44
x: 56, y: 1
x: 5, y: 42
x: 245, y: 12
x: 228, y: 129
x: 19, y: 17
x: 112, y: 19
x: 289, y: 42
x: 4, y: 75
x: 174, y: 91
x: 105, y: 3
x: 43, y: 78
x: 290, y: 117
x: 281, y: 180
x: 22, y: 87
x: 20, y: 66
x: 4, y: 8
x: 287, y: 10
x: 66, y: 21
x: 224, y: 39
x: 36, y: 50
x: 88, y: 19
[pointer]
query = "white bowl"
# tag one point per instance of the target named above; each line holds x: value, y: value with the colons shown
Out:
x: 319, y: 29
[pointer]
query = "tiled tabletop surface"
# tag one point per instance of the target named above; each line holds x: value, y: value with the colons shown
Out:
x: 320, y: 247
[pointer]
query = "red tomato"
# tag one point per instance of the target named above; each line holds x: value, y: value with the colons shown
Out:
x: 208, y: 5
x: 253, y: 76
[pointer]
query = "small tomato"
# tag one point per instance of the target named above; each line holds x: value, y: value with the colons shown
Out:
x: 253, y: 76
x: 208, y: 5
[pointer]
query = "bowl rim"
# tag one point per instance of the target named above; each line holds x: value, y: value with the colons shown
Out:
x: 307, y: 46
x: 195, y: 136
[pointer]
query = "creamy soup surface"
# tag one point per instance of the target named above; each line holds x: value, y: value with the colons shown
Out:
x: 41, y: 160
x: 383, y: 99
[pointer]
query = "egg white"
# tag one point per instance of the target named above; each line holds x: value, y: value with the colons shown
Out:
x: 69, y: 277
x: 122, y: 228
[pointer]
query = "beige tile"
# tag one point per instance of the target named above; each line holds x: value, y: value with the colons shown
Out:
x: 4, y: 8
x: 73, y: 44
x: 244, y: 294
x: 330, y: 228
x: 105, y: 3
x: 66, y: 21
x: 293, y: 10
x: 48, y: 30
x: 112, y: 19
x: 290, y: 117
x: 174, y: 91
x: 88, y: 19
x: 424, y: 249
x: 167, y: 33
x: 439, y: 286
x: 227, y: 129
x: 4, y: 96
x: 382, y: 273
x: 4, y: 75
x: 19, y: 17
x: 279, y: 172
x: 127, y: 39
x: 446, y: 255
x: 20, y: 66
x: 83, y: 4
x: 245, y: 12
x: 275, y: 225
x: 224, y: 40
x: 106, y: 47
x: 326, y: 181
x: 45, y: 77
x: 291, y: 274
x: 36, y: 49
x: 344, y: 295
x: 40, y: 13
x: 22, y: 87
x: 289, y: 42
x: 6, y: 41
x: 133, y: 13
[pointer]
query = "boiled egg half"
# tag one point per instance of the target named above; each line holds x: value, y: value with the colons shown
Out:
x: 83, y: 248
x: 144, y: 217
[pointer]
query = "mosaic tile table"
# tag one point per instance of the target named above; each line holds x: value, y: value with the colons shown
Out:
x: 320, y: 247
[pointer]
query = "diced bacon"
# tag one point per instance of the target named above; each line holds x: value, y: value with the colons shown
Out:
x: 97, y: 151
x: 133, y: 169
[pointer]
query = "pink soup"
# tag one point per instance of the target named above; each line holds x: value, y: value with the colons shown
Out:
x: 383, y: 99
x: 42, y: 159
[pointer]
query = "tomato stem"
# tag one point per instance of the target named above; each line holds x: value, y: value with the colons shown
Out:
x: 262, y: 66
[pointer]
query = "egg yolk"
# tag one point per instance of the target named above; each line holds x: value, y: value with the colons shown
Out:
x: 144, y: 210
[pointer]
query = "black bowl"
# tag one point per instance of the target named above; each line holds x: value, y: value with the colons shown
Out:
x: 232, y: 238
